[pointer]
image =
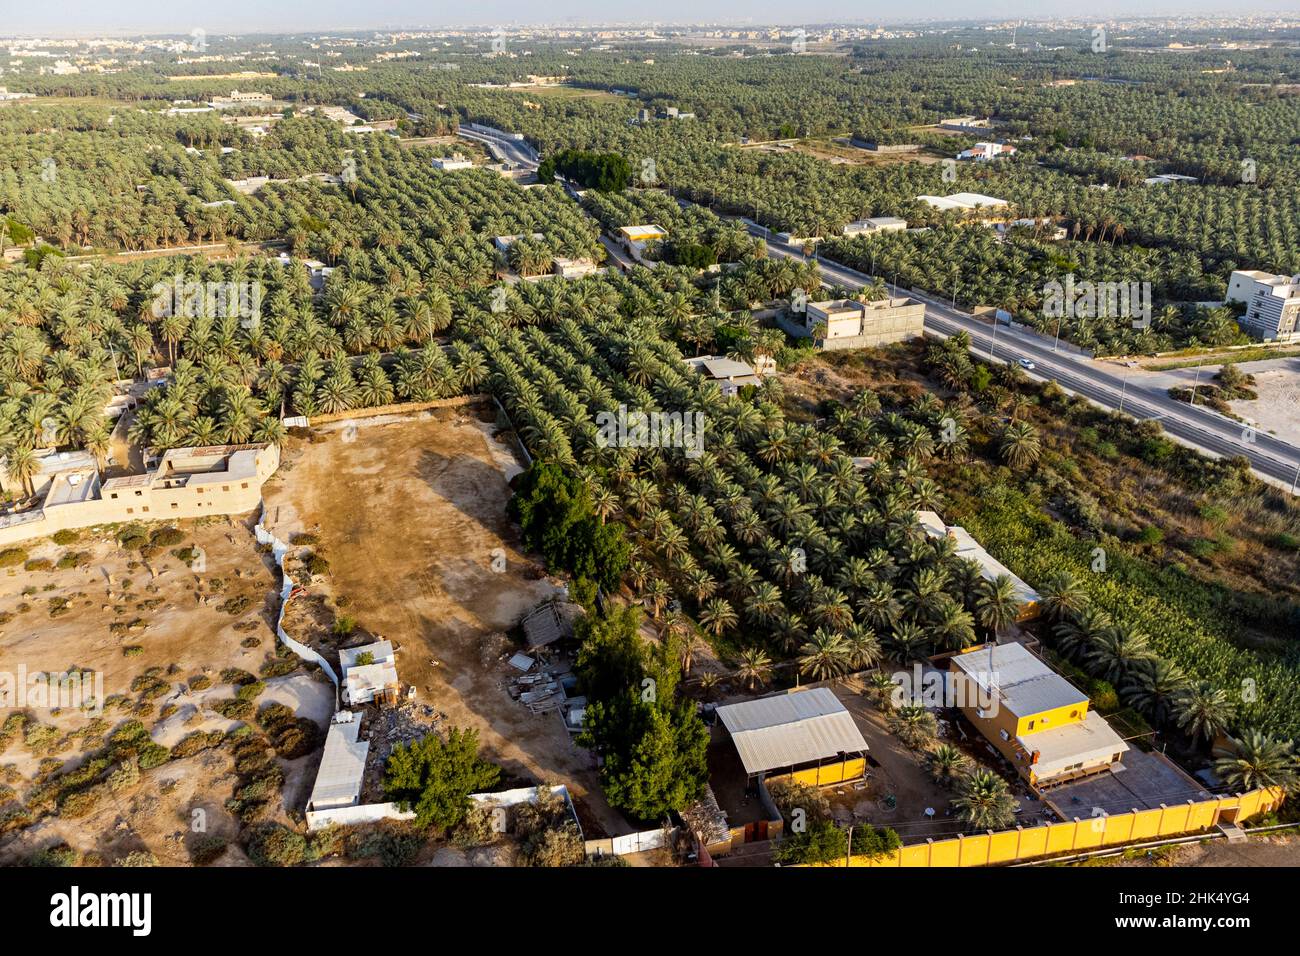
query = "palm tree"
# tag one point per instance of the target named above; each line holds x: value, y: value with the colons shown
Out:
x: 22, y: 465
x: 996, y: 606
x: 1154, y: 686
x: 1061, y: 596
x: 1076, y: 634
x: 1203, y: 711
x: 825, y: 656
x: 718, y: 616
x: 1020, y: 445
x: 914, y: 725
x: 709, y: 683
x: 1257, y: 760
x: 882, y: 688
x: 946, y: 764
x: 863, y: 647
x: 1117, y: 651
x: 753, y: 667
x: 985, y: 802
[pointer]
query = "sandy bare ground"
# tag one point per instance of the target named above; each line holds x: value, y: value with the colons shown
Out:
x: 1258, y: 851
x: 174, y: 614
x: 410, y: 513
x: 1277, y: 410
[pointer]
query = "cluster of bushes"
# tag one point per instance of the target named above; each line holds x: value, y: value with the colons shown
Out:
x: 811, y: 836
x: 260, y: 777
x: 555, y: 512
x: 604, y: 172
x: 291, y: 736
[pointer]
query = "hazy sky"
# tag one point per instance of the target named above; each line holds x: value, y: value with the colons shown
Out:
x: 243, y: 16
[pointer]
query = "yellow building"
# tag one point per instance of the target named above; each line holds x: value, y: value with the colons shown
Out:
x: 806, y: 736
x: 1034, y: 717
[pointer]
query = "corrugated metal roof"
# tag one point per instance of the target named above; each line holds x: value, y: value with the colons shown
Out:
x: 1022, y: 682
x: 790, y: 729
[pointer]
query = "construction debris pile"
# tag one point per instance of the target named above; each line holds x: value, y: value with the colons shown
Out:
x: 388, y: 727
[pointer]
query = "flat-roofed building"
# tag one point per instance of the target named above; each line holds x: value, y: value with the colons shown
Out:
x: 369, y: 673
x: 186, y: 483
x: 990, y: 567
x: 862, y: 227
x: 849, y: 324
x: 573, y: 268
x: 503, y: 243
x: 451, y: 163
x: 730, y: 375
x: 342, y: 765
x: 1035, y: 718
x: 963, y: 202
x: 805, y: 736
x: 987, y: 151
x: 1272, y: 304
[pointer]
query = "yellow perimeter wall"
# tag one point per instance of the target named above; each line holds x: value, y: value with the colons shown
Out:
x: 1025, y: 843
x: 828, y: 773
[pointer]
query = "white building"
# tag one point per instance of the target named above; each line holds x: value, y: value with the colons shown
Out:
x: 963, y: 202
x: 730, y: 375
x: 990, y: 567
x: 1272, y: 304
x: 850, y: 324
x: 363, y: 682
x: 503, y: 243
x: 986, y: 151
x: 453, y: 162
x: 573, y: 268
x: 1167, y: 179
x: 342, y: 766
x: 861, y: 227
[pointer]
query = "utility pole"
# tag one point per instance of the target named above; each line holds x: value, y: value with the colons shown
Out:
x: 1295, y: 479
x: 848, y: 854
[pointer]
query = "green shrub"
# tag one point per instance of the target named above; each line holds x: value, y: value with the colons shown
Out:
x: 250, y: 691
x: 12, y: 557
x: 65, y: 537
x: 207, y: 849
x: 39, y: 564
x: 276, y: 845
x: 58, y: 855
x: 166, y: 537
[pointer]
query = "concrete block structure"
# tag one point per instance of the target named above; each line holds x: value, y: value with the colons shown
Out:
x: 1032, y: 715
x: 1272, y: 304
x: 186, y: 483
x: 850, y: 324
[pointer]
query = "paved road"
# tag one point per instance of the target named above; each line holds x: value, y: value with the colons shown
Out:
x: 503, y: 147
x: 1200, y: 427
x: 1195, y: 425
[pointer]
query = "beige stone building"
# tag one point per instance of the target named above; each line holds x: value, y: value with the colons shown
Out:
x: 850, y: 324
x: 187, y: 483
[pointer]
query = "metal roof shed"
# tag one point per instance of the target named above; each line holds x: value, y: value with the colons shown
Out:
x: 791, y: 730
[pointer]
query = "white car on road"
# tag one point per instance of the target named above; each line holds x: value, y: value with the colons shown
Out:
x: 1026, y: 364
